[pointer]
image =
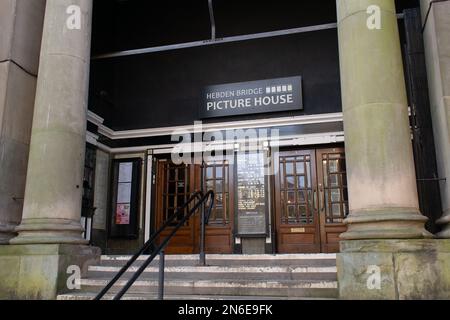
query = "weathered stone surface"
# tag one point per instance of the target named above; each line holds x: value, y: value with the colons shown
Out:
x: 13, y: 164
x: 40, y: 271
x: 21, y: 24
x: 437, y: 53
x: 7, y: 8
x: 17, y: 91
x: 380, y: 169
x: 20, y: 37
x: 18, y: 104
x: 409, y: 269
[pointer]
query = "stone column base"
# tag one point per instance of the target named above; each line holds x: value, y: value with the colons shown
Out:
x: 7, y: 232
x: 394, y: 269
x: 40, y: 271
x: 445, y: 221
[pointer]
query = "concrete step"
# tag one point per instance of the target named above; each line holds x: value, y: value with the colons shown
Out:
x: 237, y: 277
x: 132, y: 296
x: 219, y: 287
x: 298, y: 260
x: 220, y: 272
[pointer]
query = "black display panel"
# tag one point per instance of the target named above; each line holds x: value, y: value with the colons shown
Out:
x: 124, y: 213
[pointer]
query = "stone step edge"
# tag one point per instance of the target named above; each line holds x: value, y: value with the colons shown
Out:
x: 286, y: 284
x: 140, y: 296
x: 237, y: 257
x: 220, y: 269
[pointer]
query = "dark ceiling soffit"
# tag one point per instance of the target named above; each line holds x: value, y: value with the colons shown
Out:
x: 214, y: 41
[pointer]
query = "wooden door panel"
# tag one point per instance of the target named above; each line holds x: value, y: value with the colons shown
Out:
x: 175, y: 184
x: 218, y: 241
x: 333, y: 204
x: 218, y: 176
x: 296, y: 219
x: 218, y: 236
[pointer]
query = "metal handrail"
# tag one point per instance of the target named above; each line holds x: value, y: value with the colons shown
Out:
x: 203, y: 198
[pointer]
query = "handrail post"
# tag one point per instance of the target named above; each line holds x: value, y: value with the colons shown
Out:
x: 202, y: 237
x: 161, y: 275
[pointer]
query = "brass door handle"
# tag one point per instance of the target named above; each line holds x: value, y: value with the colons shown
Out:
x: 322, y: 199
x: 315, y: 200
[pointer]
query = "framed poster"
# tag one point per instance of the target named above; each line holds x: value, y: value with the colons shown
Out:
x: 125, y: 187
x: 123, y: 214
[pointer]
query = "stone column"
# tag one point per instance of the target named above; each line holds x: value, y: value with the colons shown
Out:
x: 384, y: 253
x: 380, y: 165
x: 20, y: 38
x: 436, y: 19
x: 52, y: 205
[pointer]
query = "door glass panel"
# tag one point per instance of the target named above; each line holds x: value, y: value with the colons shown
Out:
x: 176, y: 190
x: 181, y: 175
x: 335, y: 187
x: 171, y: 188
x: 210, y: 185
x: 291, y: 197
x: 217, y: 180
x: 219, y: 199
x: 290, y: 182
x: 302, y: 211
x: 218, y: 213
x: 296, y: 190
x: 301, y: 182
x: 289, y: 168
x: 209, y: 172
x: 219, y: 186
x: 301, y: 197
x: 336, y: 210
x: 335, y: 195
x: 300, y: 168
x: 333, y: 166
x: 334, y: 180
x: 172, y: 174
x: 291, y: 213
x: 219, y: 172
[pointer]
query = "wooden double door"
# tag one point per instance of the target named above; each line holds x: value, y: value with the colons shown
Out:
x: 311, y: 200
x: 174, y: 186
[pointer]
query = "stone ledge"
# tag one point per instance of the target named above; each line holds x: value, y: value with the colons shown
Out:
x: 394, y: 269
x: 396, y: 245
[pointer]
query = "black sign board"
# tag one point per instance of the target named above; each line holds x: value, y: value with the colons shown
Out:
x: 274, y: 95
